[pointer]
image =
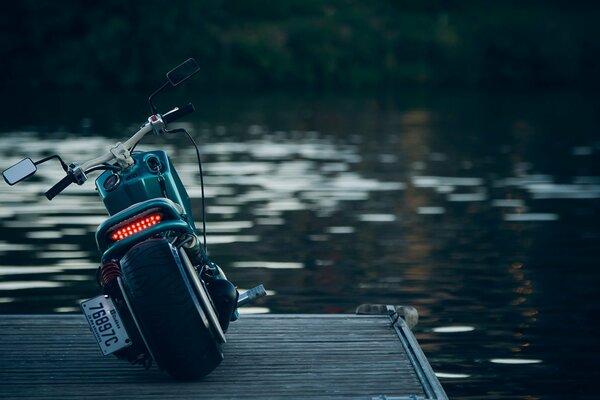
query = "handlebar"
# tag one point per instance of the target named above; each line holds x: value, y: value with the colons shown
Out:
x: 60, y: 186
x: 177, y: 113
x: 173, y: 115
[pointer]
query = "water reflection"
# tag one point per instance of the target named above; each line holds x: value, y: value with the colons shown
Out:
x: 480, y: 212
x: 377, y: 218
x: 18, y: 285
x: 453, y: 329
x: 514, y: 361
x: 267, y: 264
x: 448, y: 375
x: 531, y: 217
x: 254, y: 310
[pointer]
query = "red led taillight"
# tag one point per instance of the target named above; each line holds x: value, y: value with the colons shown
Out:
x: 135, y: 225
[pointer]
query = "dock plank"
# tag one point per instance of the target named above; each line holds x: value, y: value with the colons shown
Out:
x: 267, y: 356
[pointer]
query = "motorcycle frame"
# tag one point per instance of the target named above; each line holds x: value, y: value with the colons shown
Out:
x: 139, y: 189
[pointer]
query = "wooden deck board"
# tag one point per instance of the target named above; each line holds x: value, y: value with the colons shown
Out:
x: 267, y: 356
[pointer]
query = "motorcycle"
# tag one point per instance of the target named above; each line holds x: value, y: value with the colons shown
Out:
x: 162, y: 299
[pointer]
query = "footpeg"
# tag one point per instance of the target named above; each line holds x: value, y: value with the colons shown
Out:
x: 251, y: 296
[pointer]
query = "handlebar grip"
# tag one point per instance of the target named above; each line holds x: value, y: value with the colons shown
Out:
x: 59, y: 187
x: 178, y: 113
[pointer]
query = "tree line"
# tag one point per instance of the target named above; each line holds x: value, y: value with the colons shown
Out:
x: 300, y: 44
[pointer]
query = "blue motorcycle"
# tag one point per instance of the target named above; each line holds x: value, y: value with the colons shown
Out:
x: 162, y: 299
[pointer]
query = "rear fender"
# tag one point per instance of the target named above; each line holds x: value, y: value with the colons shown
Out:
x: 173, y: 219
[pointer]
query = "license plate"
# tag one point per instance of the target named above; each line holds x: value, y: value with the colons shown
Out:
x: 105, y: 323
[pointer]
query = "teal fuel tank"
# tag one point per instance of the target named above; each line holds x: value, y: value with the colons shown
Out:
x: 153, y: 176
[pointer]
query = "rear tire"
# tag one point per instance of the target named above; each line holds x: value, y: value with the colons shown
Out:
x: 168, y: 311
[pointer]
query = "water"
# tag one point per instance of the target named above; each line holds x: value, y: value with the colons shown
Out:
x: 479, y: 210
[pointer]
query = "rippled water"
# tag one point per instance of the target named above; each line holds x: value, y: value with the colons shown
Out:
x: 479, y: 210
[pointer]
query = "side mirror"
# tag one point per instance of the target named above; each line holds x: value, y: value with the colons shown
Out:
x: 21, y: 170
x: 182, y: 72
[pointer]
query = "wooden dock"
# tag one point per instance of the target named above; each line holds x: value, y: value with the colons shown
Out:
x: 267, y: 357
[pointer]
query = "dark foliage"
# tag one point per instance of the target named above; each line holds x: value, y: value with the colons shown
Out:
x: 306, y: 44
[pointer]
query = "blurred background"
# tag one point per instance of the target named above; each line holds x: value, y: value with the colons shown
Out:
x: 440, y: 154
x: 309, y: 45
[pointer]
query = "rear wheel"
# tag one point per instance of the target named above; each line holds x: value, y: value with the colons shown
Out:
x: 168, y: 311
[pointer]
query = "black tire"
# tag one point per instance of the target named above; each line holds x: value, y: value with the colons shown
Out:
x: 168, y: 311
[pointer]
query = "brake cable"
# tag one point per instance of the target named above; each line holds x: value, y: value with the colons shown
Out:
x: 181, y: 130
x: 104, y: 166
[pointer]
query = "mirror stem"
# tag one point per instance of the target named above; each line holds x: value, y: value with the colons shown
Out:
x: 150, y: 103
x: 62, y: 163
